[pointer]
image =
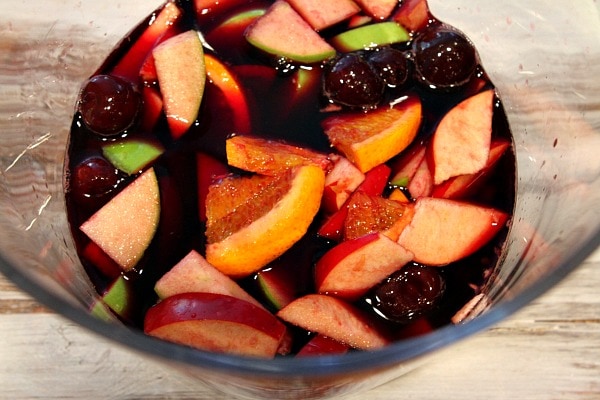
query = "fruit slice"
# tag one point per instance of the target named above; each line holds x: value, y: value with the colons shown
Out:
x: 375, y: 182
x: 378, y: 9
x: 353, y: 267
x: 372, y: 138
x: 284, y: 33
x: 181, y: 76
x: 368, y: 214
x: 193, y: 274
x: 129, y: 66
x: 215, y: 322
x: 413, y: 15
x: 245, y: 232
x: 153, y: 108
x: 461, y: 142
x: 208, y: 170
x: 462, y: 185
x: 443, y: 231
x: 106, y: 265
x: 321, y: 345
x: 334, y: 318
x: 406, y: 166
x: 132, y: 155
x: 218, y: 74
x: 340, y: 182
x: 421, y: 183
x: 323, y: 14
x: 270, y: 157
x: 125, y: 226
x: 369, y: 36
x: 119, y: 297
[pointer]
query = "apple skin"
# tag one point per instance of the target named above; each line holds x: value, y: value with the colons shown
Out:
x: 461, y: 142
x: 370, y: 36
x: 193, y: 274
x: 353, y: 267
x: 321, y: 345
x: 216, y: 322
x: 443, y: 231
x: 336, y: 319
x: 300, y: 43
x: 124, y: 227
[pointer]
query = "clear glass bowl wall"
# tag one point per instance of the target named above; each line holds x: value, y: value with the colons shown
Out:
x: 543, y: 57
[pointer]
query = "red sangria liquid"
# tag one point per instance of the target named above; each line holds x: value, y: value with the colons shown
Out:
x: 373, y: 125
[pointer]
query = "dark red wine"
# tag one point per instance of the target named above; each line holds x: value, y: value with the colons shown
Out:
x: 286, y: 101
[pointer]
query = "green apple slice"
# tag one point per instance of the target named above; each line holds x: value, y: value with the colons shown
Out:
x: 132, y: 155
x: 282, y: 32
x: 181, y: 77
x: 369, y: 36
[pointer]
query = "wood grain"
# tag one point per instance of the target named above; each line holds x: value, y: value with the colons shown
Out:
x: 549, y: 350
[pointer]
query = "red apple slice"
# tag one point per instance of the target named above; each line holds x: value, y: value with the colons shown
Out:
x: 323, y: 14
x: 421, y: 183
x: 462, y: 185
x: 124, y: 227
x: 372, y: 138
x: 215, y: 322
x: 282, y: 32
x: 270, y: 157
x: 193, y: 274
x: 335, y: 318
x: 443, y: 231
x: 321, y: 345
x: 340, y: 182
x: 413, y: 15
x: 181, y: 75
x: 407, y: 164
x: 129, y: 66
x: 378, y: 9
x: 353, y: 267
x: 461, y: 142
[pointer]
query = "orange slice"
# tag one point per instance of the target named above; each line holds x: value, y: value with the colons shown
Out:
x: 253, y: 220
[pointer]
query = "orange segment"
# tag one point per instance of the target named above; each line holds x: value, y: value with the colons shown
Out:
x: 245, y: 233
x: 370, y: 139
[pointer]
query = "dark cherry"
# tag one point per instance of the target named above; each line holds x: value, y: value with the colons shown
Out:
x: 93, y: 178
x: 352, y: 82
x: 391, y: 65
x: 409, y: 293
x: 444, y: 58
x: 109, y: 105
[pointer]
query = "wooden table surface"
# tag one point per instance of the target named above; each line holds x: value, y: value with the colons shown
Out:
x: 549, y: 350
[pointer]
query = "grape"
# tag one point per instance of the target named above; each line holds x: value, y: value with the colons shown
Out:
x: 109, y: 105
x: 443, y: 58
x: 352, y: 82
x: 409, y: 293
x: 93, y: 178
x: 391, y: 65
